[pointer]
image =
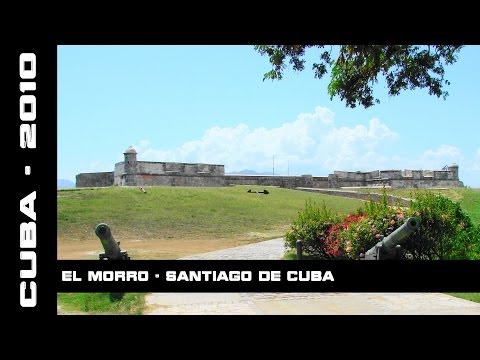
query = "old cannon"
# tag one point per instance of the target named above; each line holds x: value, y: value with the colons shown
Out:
x: 111, y: 247
x: 388, y: 248
x: 112, y: 251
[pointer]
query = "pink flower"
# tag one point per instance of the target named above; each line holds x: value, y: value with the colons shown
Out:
x: 349, y: 246
x: 378, y: 236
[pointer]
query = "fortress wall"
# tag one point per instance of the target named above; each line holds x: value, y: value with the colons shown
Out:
x: 390, y: 174
x: 148, y: 173
x: 320, y: 182
x: 117, y: 173
x: 290, y: 182
x: 424, y: 183
x: 372, y: 175
x: 395, y: 178
x: 94, y: 179
x: 350, y: 183
x: 416, y: 174
x: 168, y: 168
x: 178, y: 180
x: 174, y: 178
x: 260, y: 180
x: 445, y: 175
x: 441, y: 175
x: 356, y: 175
x: 341, y: 174
x: 119, y: 169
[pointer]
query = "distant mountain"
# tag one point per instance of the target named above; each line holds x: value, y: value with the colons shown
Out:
x: 65, y: 184
x: 249, y: 172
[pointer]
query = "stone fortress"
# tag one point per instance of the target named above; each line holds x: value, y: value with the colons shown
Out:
x: 131, y: 172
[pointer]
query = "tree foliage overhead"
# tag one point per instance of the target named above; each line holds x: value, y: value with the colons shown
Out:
x: 357, y: 67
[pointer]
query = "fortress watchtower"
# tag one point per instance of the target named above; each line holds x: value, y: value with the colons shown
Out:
x: 454, y: 171
x: 130, y: 166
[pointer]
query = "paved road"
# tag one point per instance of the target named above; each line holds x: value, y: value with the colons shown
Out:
x: 299, y: 303
x: 309, y: 304
x: 265, y: 250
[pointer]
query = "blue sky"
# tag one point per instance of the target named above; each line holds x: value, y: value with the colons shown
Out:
x: 210, y: 104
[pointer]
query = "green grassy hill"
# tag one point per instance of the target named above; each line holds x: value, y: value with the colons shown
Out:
x: 168, y: 222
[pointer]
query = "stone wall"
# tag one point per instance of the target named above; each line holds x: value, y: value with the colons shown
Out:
x: 424, y: 183
x: 290, y: 182
x: 147, y: 173
x: 173, y: 176
x: 179, y: 180
x: 170, y: 168
x: 118, y: 172
x: 94, y: 179
x: 396, y: 178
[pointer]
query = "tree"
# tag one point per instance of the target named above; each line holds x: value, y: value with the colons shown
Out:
x: 357, y: 67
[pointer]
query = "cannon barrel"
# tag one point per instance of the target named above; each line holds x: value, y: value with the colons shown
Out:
x: 388, y: 248
x: 112, y: 247
x: 396, y: 237
x: 112, y: 251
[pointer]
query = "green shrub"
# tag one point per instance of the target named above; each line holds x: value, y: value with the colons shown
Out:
x: 312, y: 227
x: 467, y: 244
x: 446, y: 231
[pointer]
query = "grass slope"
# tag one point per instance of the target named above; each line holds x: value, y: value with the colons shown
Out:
x: 475, y: 297
x: 169, y: 222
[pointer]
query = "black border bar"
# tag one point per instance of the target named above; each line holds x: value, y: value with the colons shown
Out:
x: 349, y: 276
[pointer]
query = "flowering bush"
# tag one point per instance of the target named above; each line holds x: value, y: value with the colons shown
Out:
x: 378, y: 220
x: 312, y: 226
x: 446, y: 232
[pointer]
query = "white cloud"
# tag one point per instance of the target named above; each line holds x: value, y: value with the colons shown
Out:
x: 472, y: 169
x: 439, y: 157
x: 442, y: 152
x: 98, y: 166
x: 430, y: 159
x: 476, y: 162
x: 311, y: 143
x: 357, y: 147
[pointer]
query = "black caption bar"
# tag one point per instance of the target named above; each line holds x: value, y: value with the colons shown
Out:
x: 267, y: 276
